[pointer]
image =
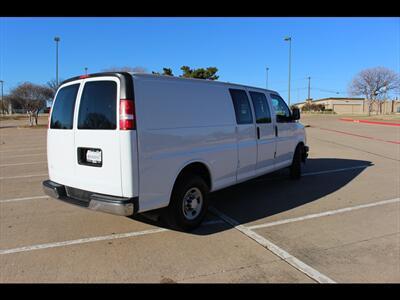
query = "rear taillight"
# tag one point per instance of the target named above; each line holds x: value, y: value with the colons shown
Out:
x: 127, y: 120
x: 48, y: 121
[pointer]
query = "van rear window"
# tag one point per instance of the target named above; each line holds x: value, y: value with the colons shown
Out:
x: 98, y: 107
x: 62, y: 115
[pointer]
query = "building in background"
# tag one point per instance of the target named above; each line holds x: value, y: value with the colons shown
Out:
x: 353, y: 105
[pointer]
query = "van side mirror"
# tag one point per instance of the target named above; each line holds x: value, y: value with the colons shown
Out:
x: 295, y: 113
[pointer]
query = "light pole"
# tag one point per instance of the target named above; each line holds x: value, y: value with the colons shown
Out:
x: 57, y: 39
x: 309, y: 79
x: 289, y: 39
x: 267, y: 77
x: 86, y: 68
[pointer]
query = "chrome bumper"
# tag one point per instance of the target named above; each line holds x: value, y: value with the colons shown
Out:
x: 105, y: 203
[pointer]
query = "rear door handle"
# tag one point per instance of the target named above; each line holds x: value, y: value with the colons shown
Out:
x: 258, y: 132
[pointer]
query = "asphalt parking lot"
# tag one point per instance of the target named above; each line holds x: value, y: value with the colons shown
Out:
x: 339, y: 223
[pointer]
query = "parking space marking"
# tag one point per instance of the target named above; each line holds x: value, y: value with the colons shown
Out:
x: 287, y: 257
x: 21, y: 164
x: 22, y: 199
x: 24, y: 149
x: 323, y: 214
x: 23, y: 176
x: 95, y: 239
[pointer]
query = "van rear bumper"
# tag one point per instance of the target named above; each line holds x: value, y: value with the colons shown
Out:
x: 100, y: 202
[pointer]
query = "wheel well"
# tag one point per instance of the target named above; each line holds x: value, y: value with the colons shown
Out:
x: 198, y: 169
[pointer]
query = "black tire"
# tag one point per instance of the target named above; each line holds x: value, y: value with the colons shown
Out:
x: 295, y: 168
x: 175, y: 212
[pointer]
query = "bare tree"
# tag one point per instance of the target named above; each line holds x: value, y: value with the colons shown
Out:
x: 31, y: 97
x: 374, y: 84
x: 52, y: 84
x: 137, y: 69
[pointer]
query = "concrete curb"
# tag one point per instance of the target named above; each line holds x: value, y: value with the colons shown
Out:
x: 370, y: 122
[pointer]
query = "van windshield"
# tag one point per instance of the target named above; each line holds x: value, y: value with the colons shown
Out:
x: 98, y: 107
x: 62, y: 115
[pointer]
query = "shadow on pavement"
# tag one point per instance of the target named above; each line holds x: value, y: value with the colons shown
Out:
x: 274, y: 193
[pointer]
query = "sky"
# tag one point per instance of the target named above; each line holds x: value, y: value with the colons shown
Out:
x: 329, y: 50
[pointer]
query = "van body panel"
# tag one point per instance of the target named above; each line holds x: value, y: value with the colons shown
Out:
x: 169, y: 138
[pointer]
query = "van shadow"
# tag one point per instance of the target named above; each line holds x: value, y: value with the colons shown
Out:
x: 273, y: 193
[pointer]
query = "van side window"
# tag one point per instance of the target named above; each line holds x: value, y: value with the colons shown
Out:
x: 260, y: 104
x: 242, y: 106
x: 62, y: 115
x: 282, y: 111
x: 98, y: 106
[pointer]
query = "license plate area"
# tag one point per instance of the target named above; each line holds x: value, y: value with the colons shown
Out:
x: 92, y: 157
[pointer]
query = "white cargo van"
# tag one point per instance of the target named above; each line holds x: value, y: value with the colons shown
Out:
x: 126, y: 143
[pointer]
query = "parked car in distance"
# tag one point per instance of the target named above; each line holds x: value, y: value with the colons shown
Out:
x: 127, y: 143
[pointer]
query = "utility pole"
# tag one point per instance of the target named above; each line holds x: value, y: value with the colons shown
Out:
x: 267, y: 77
x: 289, y: 39
x: 57, y: 39
x: 309, y: 79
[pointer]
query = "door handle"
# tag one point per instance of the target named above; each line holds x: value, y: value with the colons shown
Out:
x: 276, y: 130
x: 258, y: 132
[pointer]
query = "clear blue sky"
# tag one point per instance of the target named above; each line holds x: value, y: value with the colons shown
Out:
x: 330, y: 50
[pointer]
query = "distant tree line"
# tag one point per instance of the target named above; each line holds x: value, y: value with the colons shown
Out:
x: 187, y: 72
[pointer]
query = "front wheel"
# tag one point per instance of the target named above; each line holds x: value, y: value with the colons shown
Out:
x: 189, y: 203
x: 295, y: 168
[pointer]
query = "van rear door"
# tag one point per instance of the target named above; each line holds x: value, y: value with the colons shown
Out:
x: 97, y: 140
x: 60, y: 135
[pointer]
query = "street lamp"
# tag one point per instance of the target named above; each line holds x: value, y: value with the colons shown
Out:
x: 289, y: 39
x: 267, y: 77
x: 57, y: 39
x: 86, y: 68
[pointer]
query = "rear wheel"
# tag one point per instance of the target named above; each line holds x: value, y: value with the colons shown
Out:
x: 295, y: 168
x: 189, y: 203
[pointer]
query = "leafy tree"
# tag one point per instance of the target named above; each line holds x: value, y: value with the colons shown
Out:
x: 201, y: 73
x: 166, y: 72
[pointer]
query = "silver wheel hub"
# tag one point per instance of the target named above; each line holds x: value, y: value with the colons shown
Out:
x: 192, y: 203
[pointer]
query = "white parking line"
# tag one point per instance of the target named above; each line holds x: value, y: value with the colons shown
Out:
x: 323, y: 214
x: 22, y: 199
x: 290, y: 259
x: 94, y: 239
x: 21, y: 164
x: 23, y: 149
x: 23, y: 176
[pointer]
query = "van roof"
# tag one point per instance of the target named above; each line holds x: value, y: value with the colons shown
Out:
x: 175, y: 78
x: 164, y: 77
